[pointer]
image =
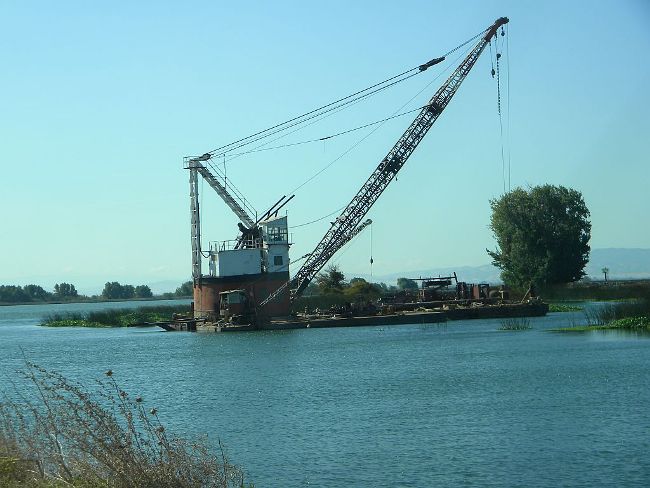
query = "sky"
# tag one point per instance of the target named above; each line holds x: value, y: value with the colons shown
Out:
x: 101, y: 101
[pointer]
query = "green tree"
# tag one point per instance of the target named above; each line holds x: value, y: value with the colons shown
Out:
x: 386, y: 288
x: 360, y: 289
x: 542, y: 235
x: 36, y: 292
x: 128, y: 291
x: 406, y: 284
x: 112, y: 290
x: 311, y: 290
x: 185, y: 290
x: 65, y: 290
x: 331, y: 280
x: 13, y: 294
x: 143, y: 291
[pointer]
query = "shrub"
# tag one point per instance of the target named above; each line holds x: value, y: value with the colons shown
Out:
x: 58, y: 434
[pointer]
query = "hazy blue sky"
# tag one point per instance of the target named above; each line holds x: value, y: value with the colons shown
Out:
x: 101, y: 100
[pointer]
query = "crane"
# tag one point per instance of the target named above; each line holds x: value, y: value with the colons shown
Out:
x: 237, y: 203
x: 346, y: 225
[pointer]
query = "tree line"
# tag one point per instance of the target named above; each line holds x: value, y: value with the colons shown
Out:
x: 113, y: 290
x: 332, y: 282
x: 36, y: 293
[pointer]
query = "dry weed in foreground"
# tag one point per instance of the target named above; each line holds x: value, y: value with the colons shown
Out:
x: 58, y: 434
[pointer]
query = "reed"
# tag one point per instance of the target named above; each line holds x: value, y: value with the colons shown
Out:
x: 519, y: 323
x: 117, y: 317
x: 57, y: 433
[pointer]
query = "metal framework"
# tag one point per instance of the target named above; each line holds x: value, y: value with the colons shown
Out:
x: 196, y: 225
x: 351, y: 236
x: 345, y: 227
x: 196, y: 167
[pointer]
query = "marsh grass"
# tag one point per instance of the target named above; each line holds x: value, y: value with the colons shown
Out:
x: 629, y: 315
x: 562, y: 307
x: 119, y: 317
x: 57, y: 433
x: 519, y: 323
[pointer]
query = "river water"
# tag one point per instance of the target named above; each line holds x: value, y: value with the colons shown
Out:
x: 456, y: 404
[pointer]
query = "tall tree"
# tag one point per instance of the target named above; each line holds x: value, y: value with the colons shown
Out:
x: 13, y: 294
x: 112, y: 290
x: 331, y: 280
x: 65, y: 290
x: 542, y: 235
x: 36, y: 292
x: 360, y: 289
x: 143, y: 291
x: 185, y: 290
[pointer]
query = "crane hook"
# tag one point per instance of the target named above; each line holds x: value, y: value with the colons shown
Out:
x: 493, y: 72
x: 502, y: 32
x: 498, y: 55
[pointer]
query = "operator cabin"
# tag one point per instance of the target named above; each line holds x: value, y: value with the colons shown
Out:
x: 258, y: 263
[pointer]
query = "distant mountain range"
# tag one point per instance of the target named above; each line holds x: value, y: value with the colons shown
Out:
x: 623, y: 264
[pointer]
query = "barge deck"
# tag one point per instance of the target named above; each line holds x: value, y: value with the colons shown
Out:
x: 508, y: 310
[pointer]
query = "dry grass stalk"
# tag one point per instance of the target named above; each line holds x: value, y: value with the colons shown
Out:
x: 58, y: 434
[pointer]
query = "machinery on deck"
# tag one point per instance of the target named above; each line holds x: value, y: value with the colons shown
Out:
x: 256, y: 264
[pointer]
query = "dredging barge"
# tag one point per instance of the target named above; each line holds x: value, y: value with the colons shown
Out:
x: 248, y: 286
x: 506, y: 310
x: 433, y: 303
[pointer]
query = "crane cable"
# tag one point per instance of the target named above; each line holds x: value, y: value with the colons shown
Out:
x: 332, y: 105
x: 353, y: 146
x: 359, y: 142
x: 315, y: 115
x: 318, y: 219
x: 508, y: 98
x: 324, y: 138
x: 498, y: 78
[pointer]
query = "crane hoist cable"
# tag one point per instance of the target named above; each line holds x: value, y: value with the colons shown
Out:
x: 508, y: 97
x: 505, y: 172
x: 357, y: 143
x: 340, y: 102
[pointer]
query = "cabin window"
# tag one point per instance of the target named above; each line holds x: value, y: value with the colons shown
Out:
x: 277, y: 260
x: 276, y: 234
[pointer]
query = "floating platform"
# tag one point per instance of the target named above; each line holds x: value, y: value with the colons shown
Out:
x: 507, y: 310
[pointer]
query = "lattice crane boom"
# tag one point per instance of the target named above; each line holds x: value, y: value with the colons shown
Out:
x: 343, y: 228
x: 196, y: 163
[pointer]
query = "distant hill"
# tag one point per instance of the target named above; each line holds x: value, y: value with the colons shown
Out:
x: 622, y: 263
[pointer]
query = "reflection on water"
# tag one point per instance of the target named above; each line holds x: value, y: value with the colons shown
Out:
x: 619, y: 334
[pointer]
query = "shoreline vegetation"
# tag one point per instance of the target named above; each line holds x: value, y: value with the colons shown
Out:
x: 58, y: 433
x: 119, y: 317
x: 632, y: 315
x: 324, y: 297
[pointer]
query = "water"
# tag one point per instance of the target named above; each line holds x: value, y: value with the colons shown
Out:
x: 460, y: 404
